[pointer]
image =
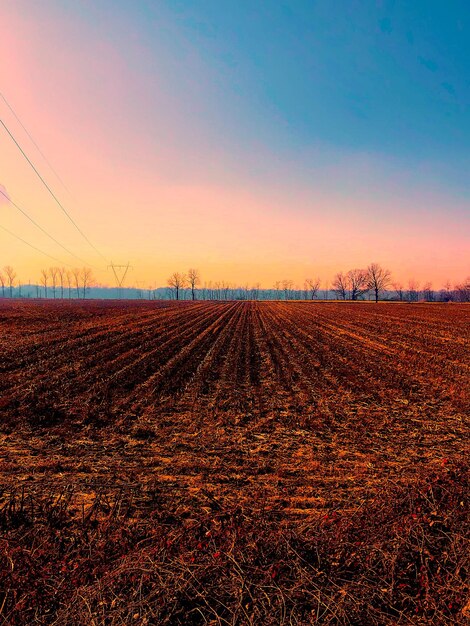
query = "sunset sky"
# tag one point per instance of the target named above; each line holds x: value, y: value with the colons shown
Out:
x: 254, y: 140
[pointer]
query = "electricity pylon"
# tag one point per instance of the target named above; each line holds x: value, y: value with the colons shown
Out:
x: 120, y: 272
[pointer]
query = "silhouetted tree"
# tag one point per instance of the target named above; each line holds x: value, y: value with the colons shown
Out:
x: 255, y: 291
x: 76, y: 274
x: 446, y: 294
x: 340, y: 285
x: 177, y: 282
x: 68, y: 278
x: 193, y: 279
x: 378, y: 279
x: 462, y: 290
x: 399, y: 290
x: 61, y: 271
x: 86, y: 276
x: 357, y: 283
x: 287, y: 286
x: 53, y: 273
x: 313, y: 285
x: 412, y: 294
x: 44, y: 281
x: 428, y: 292
x: 11, y: 275
x: 2, y: 283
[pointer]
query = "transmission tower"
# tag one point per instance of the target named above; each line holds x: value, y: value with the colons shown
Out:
x: 120, y: 272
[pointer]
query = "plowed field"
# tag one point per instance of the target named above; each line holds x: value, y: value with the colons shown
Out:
x: 286, y: 417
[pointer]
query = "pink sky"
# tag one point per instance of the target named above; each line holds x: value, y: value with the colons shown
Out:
x: 150, y: 180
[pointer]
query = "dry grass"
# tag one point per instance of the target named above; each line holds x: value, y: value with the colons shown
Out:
x: 250, y: 463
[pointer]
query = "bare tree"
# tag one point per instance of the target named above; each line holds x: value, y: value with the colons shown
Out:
x: 44, y: 281
x: 87, y: 278
x: 357, y: 283
x: 53, y: 273
x: 462, y: 290
x: 177, y: 282
x: 340, y: 285
x: 68, y: 278
x: 61, y: 271
x: 378, y: 279
x: 412, y: 294
x: 313, y: 285
x: 193, y: 279
x: 428, y: 292
x: 225, y: 288
x: 446, y: 294
x: 399, y: 291
x: 255, y: 291
x: 76, y: 273
x: 11, y: 275
x: 2, y: 283
x: 287, y: 286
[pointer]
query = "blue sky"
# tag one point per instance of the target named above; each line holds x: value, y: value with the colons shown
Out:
x: 390, y: 77
x: 375, y: 75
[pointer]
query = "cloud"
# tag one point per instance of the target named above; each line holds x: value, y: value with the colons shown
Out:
x: 4, y: 195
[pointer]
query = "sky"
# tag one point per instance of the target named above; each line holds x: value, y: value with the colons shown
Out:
x: 256, y: 141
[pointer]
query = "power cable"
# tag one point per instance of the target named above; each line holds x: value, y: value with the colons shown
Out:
x: 33, y: 142
x: 32, y: 246
x: 33, y: 221
x: 50, y: 190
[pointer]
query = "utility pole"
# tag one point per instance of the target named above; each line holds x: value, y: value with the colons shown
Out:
x: 120, y: 272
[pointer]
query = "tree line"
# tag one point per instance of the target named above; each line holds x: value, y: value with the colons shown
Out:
x: 355, y: 284
x: 54, y: 282
x: 373, y: 282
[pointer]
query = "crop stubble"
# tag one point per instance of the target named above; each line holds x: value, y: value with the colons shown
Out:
x: 286, y: 408
x: 286, y: 396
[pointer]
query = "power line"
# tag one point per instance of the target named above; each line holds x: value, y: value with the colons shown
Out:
x: 33, y: 221
x: 33, y: 142
x: 124, y: 268
x: 34, y: 247
x: 50, y: 191
x: 119, y: 278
